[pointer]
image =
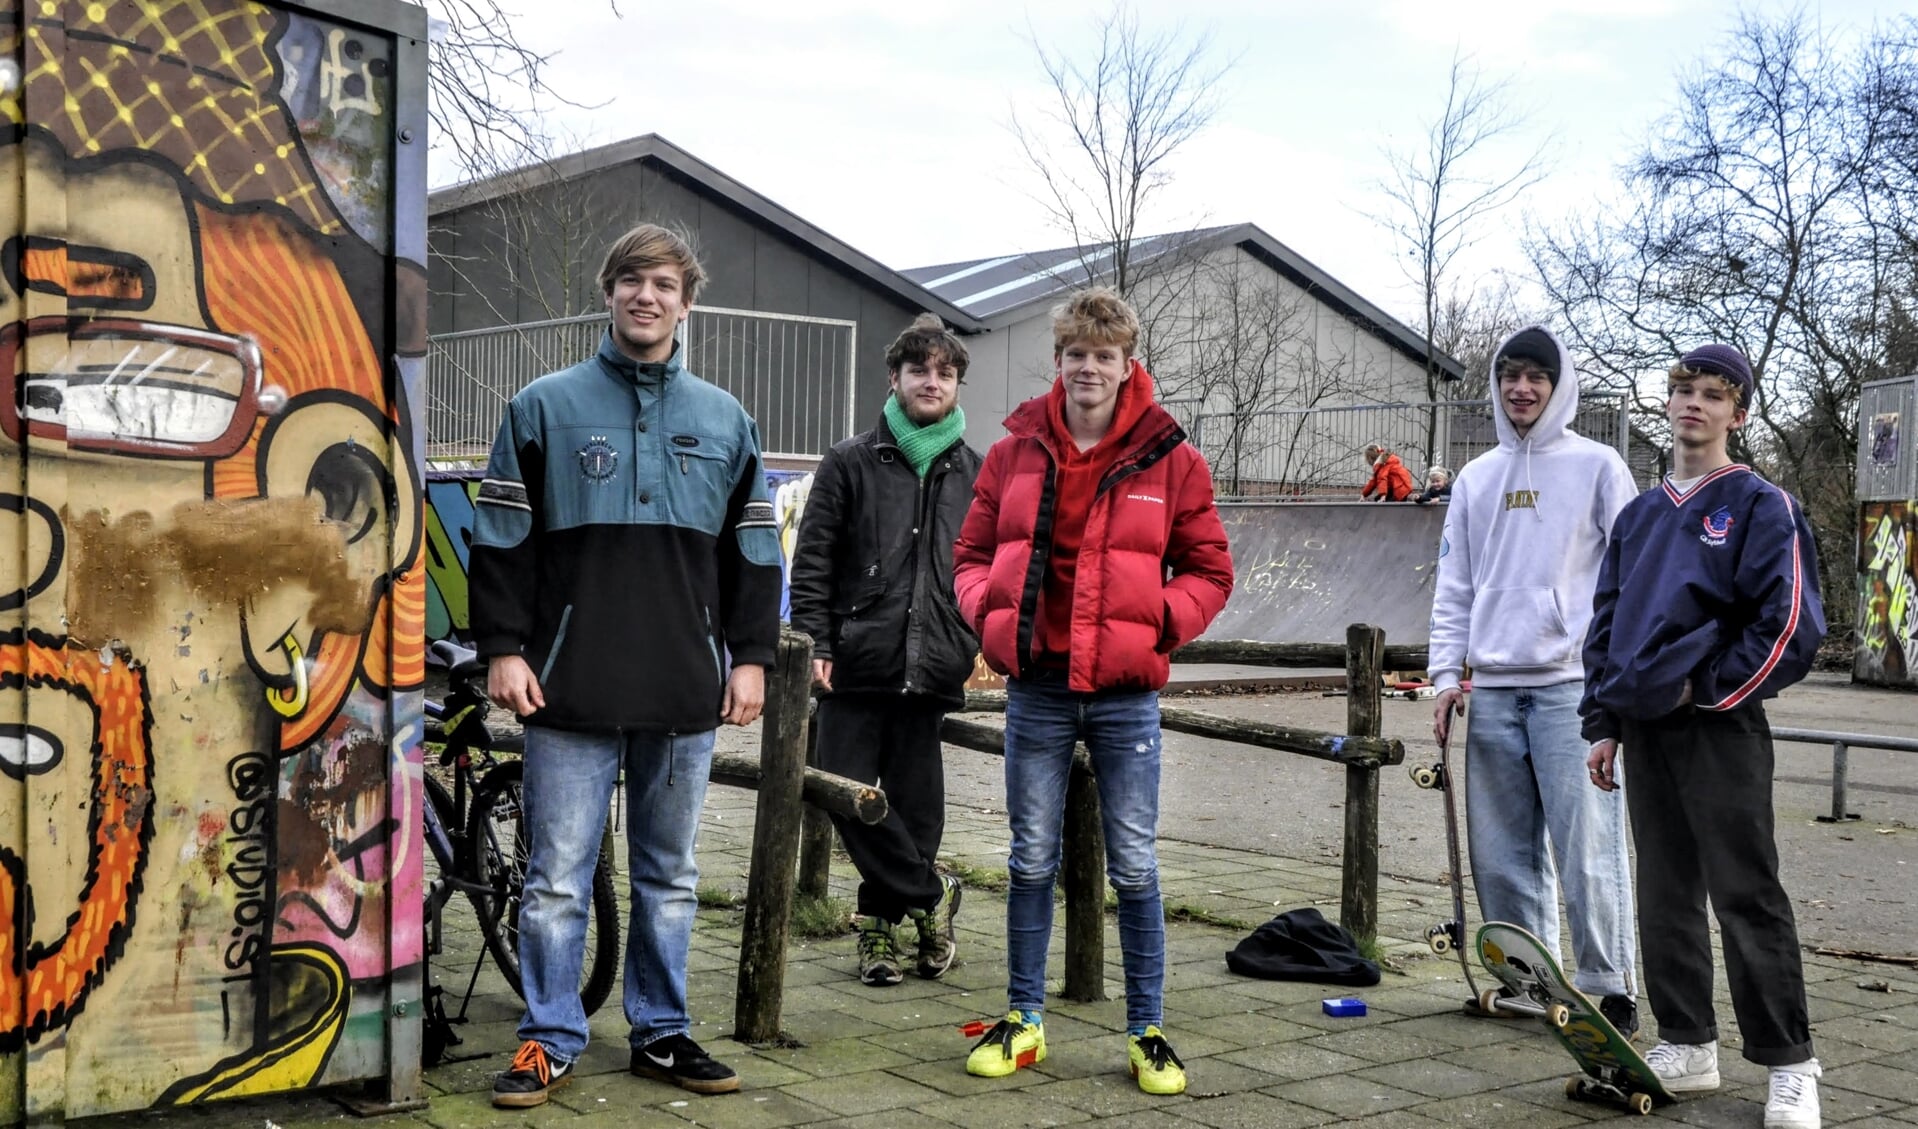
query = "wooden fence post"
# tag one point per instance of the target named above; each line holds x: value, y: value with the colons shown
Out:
x: 815, y: 842
x: 1359, y: 880
x: 776, y: 823
x: 1084, y: 872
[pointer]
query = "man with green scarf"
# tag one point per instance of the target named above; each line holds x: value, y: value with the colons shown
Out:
x: 872, y: 584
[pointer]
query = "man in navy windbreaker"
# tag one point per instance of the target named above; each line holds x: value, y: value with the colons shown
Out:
x: 1707, y: 604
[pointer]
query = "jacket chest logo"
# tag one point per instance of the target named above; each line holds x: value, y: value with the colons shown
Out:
x: 1718, y: 525
x: 597, y: 460
x: 1521, y: 499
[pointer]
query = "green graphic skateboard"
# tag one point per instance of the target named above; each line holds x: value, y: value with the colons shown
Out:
x: 1613, y: 1070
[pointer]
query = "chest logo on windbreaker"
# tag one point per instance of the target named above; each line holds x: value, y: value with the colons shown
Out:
x: 1718, y: 525
x: 598, y: 460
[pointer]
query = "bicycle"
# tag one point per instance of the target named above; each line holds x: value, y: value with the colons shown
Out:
x: 477, y: 835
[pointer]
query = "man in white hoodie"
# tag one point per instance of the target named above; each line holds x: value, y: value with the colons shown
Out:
x: 1524, y: 537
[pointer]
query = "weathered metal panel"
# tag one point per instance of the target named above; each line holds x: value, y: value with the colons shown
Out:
x: 210, y: 596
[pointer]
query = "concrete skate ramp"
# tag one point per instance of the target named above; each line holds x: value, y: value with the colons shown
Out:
x: 1303, y: 571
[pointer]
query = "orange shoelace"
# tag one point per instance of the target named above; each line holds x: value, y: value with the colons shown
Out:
x: 532, y: 1059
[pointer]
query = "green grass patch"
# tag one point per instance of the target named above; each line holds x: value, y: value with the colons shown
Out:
x: 1372, y: 950
x: 821, y: 917
x: 718, y: 897
x: 992, y: 878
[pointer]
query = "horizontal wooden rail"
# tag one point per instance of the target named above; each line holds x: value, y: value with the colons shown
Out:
x: 835, y: 795
x: 1364, y: 752
x: 1251, y: 652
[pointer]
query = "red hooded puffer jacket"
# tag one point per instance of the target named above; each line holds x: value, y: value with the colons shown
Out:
x: 1153, y: 514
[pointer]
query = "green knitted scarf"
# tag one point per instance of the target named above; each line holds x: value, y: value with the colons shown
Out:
x: 921, y: 445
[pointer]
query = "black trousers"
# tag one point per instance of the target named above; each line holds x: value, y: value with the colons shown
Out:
x: 1699, y: 788
x: 892, y: 741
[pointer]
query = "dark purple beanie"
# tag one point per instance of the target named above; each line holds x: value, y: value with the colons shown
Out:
x: 1725, y: 361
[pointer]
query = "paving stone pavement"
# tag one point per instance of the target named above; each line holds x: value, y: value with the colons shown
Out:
x: 1259, y: 1053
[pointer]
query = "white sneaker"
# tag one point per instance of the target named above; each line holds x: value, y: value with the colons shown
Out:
x: 1685, y: 1067
x: 1794, y: 1097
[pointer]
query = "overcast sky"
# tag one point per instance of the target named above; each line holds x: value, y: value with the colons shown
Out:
x: 885, y: 122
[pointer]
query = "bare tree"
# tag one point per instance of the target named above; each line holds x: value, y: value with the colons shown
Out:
x: 1443, y: 187
x: 486, y: 89
x: 1258, y: 355
x: 1469, y: 325
x: 1103, y: 145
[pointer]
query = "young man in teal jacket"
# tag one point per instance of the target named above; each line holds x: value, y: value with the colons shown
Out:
x: 624, y: 547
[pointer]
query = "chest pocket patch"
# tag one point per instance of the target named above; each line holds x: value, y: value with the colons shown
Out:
x: 700, y: 472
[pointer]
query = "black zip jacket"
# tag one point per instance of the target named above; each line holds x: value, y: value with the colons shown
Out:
x: 872, y: 569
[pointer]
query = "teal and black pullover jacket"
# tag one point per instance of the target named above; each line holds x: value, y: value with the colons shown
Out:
x: 623, y: 544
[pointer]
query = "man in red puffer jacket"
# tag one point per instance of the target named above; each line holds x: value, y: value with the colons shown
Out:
x: 1092, y: 550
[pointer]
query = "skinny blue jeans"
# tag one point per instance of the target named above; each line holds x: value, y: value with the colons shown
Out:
x: 1121, y: 731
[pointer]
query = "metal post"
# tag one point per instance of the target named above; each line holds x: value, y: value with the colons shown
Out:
x: 1840, y: 768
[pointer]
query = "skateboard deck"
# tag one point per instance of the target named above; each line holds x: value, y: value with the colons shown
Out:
x: 1450, y: 936
x: 1613, y: 1069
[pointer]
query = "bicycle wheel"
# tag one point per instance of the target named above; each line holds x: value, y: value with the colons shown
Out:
x: 496, y: 833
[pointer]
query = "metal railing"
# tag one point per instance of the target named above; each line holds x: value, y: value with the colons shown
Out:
x: 1841, y: 746
x: 794, y: 374
x: 1305, y: 452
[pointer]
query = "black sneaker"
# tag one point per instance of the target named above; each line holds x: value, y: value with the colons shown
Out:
x: 682, y: 1062
x: 533, y: 1075
x: 1622, y: 1011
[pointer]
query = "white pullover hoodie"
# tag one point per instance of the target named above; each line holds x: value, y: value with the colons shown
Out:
x: 1524, y: 536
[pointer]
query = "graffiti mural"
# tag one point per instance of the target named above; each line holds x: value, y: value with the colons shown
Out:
x: 1887, y: 652
x: 211, y: 605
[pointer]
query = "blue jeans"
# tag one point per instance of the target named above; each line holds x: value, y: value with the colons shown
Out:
x: 569, y: 786
x: 1121, y: 731
x: 1525, y: 780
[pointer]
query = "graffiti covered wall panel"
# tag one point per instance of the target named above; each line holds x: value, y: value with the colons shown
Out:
x: 1887, y: 653
x: 210, y: 647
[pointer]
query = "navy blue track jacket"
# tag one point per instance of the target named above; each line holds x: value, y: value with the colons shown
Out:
x: 1718, y: 585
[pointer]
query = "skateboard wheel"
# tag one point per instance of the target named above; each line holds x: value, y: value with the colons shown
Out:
x: 1425, y: 776
x: 1488, y: 1003
x: 1641, y: 1104
x: 1575, y: 1089
x: 1558, y: 1015
x: 1439, y: 938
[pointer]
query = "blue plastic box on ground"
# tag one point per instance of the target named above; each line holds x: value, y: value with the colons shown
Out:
x: 1343, y: 1008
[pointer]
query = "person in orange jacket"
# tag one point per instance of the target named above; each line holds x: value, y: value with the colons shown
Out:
x: 1390, y: 481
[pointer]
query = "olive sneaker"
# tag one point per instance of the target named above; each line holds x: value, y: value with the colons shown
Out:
x: 1155, y: 1064
x: 533, y: 1075
x: 938, y: 943
x: 679, y: 1061
x: 878, y: 952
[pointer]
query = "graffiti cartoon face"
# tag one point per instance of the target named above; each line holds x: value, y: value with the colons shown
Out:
x: 200, y: 488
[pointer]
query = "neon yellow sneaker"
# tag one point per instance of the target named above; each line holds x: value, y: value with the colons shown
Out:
x: 1155, y: 1064
x: 1009, y: 1045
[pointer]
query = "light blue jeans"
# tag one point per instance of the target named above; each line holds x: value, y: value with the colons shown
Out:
x: 569, y: 786
x: 1121, y: 731
x: 1525, y: 781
